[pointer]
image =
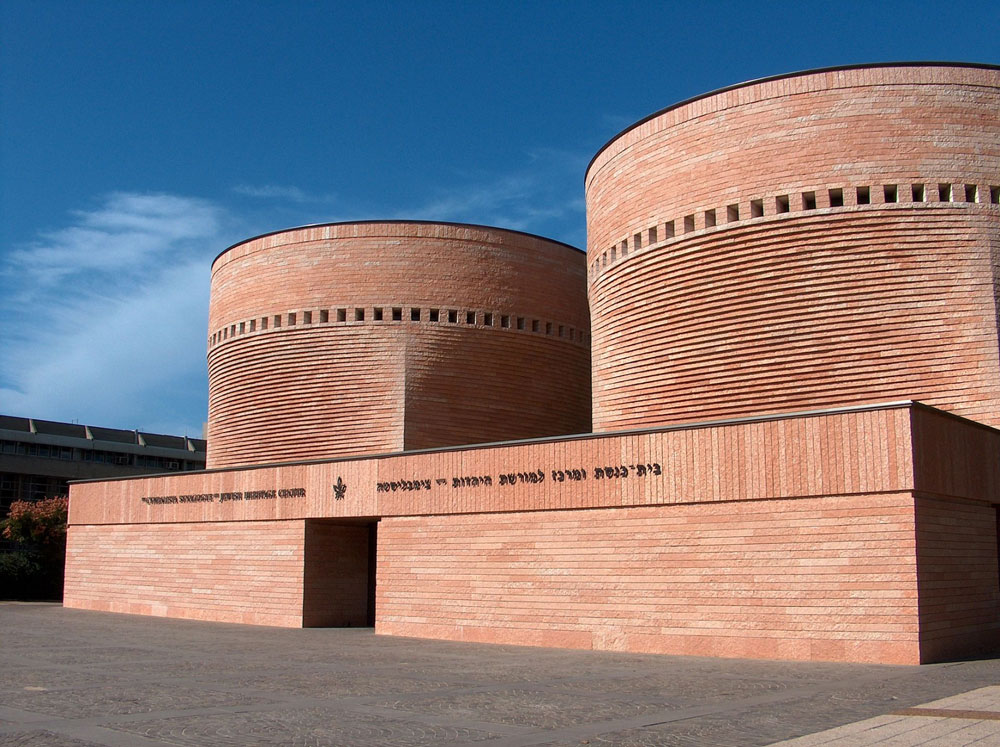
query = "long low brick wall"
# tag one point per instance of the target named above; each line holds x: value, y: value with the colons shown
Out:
x: 247, y: 572
x: 821, y: 578
x: 859, y: 534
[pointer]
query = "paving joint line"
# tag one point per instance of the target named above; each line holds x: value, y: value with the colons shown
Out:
x: 948, y: 713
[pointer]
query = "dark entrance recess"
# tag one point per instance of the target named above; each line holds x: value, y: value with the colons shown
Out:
x: 339, y: 578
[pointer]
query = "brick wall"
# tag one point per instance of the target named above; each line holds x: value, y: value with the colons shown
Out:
x: 866, y: 450
x: 306, y: 395
x: 805, y: 313
x: 245, y: 572
x: 828, y: 578
x: 954, y: 457
x: 814, y: 241
x: 957, y: 553
x: 480, y: 386
x: 374, y: 337
x: 840, y: 129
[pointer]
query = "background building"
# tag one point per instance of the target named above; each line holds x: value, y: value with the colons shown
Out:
x: 39, y: 457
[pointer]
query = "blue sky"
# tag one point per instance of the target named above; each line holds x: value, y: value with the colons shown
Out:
x: 139, y: 139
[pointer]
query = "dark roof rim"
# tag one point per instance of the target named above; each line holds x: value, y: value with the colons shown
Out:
x: 101, y: 427
x: 770, y: 78
x: 374, y: 221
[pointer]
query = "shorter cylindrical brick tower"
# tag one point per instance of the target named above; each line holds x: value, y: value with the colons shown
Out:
x: 370, y: 337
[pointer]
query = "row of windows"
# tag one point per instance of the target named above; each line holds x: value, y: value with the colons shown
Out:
x: 399, y: 314
x: 36, y: 450
x: 96, y: 456
x: 15, y: 487
x: 810, y: 200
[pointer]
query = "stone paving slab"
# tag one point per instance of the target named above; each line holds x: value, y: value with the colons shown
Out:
x: 971, y: 718
x: 71, y: 677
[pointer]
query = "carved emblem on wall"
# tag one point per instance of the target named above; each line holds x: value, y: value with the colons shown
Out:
x: 339, y: 490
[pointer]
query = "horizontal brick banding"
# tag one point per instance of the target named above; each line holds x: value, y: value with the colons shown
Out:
x: 864, y: 451
x: 384, y: 314
x: 844, y: 128
x: 663, y: 233
x: 794, y: 245
x: 245, y: 572
x: 306, y: 394
x: 325, y: 387
x: 712, y: 580
x: 858, y: 535
x: 826, y: 303
x: 816, y: 311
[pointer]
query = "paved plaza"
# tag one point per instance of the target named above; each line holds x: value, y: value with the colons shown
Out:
x: 70, y: 677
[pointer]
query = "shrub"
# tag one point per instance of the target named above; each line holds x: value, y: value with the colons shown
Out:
x: 33, y: 569
x: 20, y: 575
x: 37, y: 522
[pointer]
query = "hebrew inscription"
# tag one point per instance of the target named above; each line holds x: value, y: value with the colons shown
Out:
x: 534, y: 477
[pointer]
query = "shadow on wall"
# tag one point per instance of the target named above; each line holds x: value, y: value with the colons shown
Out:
x: 339, y: 584
x: 958, y: 575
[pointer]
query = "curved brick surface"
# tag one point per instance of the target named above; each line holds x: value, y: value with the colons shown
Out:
x: 816, y: 240
x: 372, y: 337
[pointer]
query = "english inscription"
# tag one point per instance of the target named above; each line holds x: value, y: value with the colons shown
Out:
x: 250, y: 495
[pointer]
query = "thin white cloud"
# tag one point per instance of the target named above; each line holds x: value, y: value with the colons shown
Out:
x: 545, y: 196
x: 615, y: 123
x: 542, y: 195
x: 106, y: 317
x: 124, y: 238
x: 279, y: 192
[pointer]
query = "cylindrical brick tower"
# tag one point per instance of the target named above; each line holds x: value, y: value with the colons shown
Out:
x: 817, y: 239
x: 359, y: 338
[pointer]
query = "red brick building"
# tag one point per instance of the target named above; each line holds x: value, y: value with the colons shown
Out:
x: 366, y: 338
x: 775, y: 272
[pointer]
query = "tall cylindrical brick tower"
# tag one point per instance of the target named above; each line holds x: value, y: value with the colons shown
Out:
x: 817, y: 239
x: 370, y: 337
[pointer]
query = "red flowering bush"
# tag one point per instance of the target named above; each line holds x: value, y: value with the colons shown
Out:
x: 40, y: 522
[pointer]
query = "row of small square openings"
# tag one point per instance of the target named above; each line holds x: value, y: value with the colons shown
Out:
x: 397, y: 314
x: 810, y: 200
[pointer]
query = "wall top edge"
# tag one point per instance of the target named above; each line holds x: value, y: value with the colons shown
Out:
x: 784, y: 76
x: 400, y: 223
x: 694, y: 425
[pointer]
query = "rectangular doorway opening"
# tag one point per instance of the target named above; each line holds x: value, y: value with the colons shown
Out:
x: 339, y: 576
